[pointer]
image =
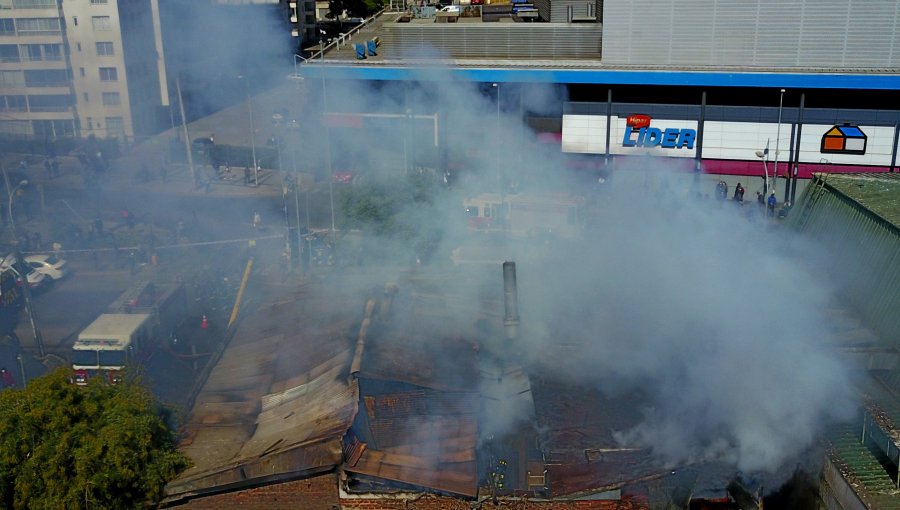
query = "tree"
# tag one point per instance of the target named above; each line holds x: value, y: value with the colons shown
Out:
x: 405, y: 209
x: 94, y: 446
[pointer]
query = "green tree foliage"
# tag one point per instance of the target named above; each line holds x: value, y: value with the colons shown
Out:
x: 401, y: 208
x: 97, y: 446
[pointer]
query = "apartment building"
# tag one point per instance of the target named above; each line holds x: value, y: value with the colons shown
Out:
x: 76, y: 68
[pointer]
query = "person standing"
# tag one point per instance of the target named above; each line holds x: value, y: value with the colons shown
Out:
x: 6, y: 378
x: 247, y: 175
x: 739, y: 193
x: 772, y: 201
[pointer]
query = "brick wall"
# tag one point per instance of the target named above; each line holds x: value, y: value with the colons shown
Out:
x: 321, y: 493
x: 317, y: 493
x: 430, y: 502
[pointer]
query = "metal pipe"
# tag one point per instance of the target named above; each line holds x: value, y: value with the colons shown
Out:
x: 511, y: 301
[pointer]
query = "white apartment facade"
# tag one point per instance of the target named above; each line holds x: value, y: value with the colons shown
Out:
x: 76, y: 68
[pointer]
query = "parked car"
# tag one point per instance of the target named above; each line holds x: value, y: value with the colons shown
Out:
x: 36, y: 281
x: 53, y: 267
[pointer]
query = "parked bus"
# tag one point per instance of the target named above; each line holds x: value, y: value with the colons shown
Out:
x: 110, y: 343
x: 133, y: 327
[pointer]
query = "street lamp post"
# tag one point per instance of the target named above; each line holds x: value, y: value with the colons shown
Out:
x: 252, y: 130
x: 327, y: 131
x: 29, y: 308
x: 497, y: 137
x: 22, y: 368
x: 777, y: 140
x: 12, y: 196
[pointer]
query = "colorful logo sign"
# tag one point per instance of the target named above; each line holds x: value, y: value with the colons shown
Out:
x: 638, y: 133
x: 844, y: 139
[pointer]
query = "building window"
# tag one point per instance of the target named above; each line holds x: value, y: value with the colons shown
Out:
x: 111, y: 99
x: 115, y: 126
x: 81, y: 71
x: 7, y: 26
x: 90, y: 123
x: 87, y: 97
x: 98, y: 2
x: 5, y: 4
x: 15, y: 127
x: 108, y: 74
x: 47, y: 78
x: 50, y: 103
x: 105, y: 49
x: 37, y: 26
x: 9, y: 53
x: 26, y: 4
x: 52, y: 51
x: 32, y: 52
x: 10, y: 79
x: 13, y: 104
x: 78, y: 46
x: 101, y: 23
x: 75, y: 20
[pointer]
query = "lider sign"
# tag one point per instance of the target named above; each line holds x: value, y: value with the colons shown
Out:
x: 638, y: 133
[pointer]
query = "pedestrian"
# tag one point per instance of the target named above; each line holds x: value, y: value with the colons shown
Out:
x: 772, y: 202
x: 739, y: 193
x: 154, y: 260
x: 57, y: 249
x: 132, y: 261
x: 36, y: 240
x: 204, y: 324
x: 98, y: 225
x: 54, y: 166
x: 247, y: 175
x: 257, y: 220
x: 6, y: 378
x: 128, y: 217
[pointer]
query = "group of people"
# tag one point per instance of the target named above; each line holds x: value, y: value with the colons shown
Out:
x: 770, y: 201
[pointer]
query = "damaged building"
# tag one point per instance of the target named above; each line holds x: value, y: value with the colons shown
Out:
x: 386, y: 401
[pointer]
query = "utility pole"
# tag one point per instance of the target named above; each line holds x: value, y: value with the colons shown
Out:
x: 184, y: 129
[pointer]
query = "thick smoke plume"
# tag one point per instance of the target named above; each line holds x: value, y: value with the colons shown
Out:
x: 696, y: 305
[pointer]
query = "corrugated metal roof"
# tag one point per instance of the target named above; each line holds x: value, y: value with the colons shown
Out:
x: 861, y: 469
x: 420, y: 408
x: 436, y: 452
x: 577, y: 441
x: 441, y: 364
x: 877, y: 192
x: 277, y: 403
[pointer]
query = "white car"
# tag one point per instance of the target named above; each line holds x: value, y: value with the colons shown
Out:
x: 49, y: 265
x: 36, y: 281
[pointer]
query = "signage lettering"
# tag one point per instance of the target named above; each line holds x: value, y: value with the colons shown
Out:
x: 638, y: 133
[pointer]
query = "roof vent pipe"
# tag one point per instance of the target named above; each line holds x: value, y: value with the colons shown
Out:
x: 511, y: 301
x: 570, y: 13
